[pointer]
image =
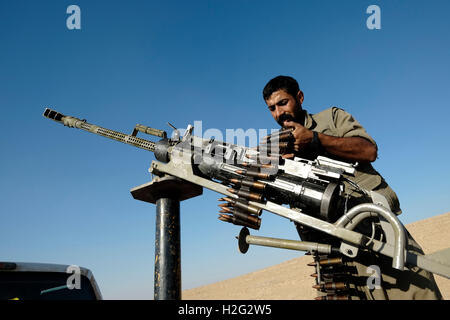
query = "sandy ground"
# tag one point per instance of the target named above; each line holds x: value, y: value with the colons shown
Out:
x: 291, y: 279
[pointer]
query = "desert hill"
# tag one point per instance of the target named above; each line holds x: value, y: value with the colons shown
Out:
x: 291, y: 279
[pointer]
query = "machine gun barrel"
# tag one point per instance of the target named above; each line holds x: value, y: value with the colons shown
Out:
x: 73, y: 122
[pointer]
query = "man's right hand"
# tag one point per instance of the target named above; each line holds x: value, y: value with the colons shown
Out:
x: 302, y: 136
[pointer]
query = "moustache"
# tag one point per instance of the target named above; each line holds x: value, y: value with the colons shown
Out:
x: 285, y: 117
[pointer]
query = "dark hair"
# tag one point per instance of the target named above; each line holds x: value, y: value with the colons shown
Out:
x: 289, y: 84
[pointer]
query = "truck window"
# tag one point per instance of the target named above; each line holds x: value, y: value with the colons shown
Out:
x: 42, y: 286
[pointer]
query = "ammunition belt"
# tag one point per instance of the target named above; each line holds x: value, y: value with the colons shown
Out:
x: 237, y: 210
x: 335, y: 278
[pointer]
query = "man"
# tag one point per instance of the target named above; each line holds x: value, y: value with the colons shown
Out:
x: 336, y: 134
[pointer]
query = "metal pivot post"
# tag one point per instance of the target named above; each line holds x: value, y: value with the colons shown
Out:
x: 166, y: 193
x: 167, y: 279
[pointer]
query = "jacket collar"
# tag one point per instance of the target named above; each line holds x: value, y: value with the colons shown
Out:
x: 308, y: 121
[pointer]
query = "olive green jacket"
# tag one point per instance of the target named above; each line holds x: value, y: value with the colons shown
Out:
x: 339, y: 123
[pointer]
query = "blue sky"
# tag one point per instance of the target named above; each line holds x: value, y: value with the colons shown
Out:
x: 65, y: 193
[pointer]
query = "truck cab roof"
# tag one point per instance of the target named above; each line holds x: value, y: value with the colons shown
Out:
x: 46, y: 281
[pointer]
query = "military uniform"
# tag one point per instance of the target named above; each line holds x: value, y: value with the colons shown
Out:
x: 413, y: 283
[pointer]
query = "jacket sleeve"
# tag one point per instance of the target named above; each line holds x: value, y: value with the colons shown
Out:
x: 347, y: 126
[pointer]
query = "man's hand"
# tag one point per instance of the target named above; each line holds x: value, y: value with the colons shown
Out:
x: 302, y: 136
x: 350, y: 148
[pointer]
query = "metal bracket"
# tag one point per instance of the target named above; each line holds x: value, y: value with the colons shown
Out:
x: 348, y: 250
x: 380, y: 200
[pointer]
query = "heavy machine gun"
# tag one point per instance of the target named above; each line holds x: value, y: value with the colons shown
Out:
x: 310, y: 193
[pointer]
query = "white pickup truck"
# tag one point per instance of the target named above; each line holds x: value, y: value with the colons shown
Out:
x: 42, y: 281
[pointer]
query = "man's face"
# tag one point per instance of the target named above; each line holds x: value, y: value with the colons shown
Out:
x: 285, y: 107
